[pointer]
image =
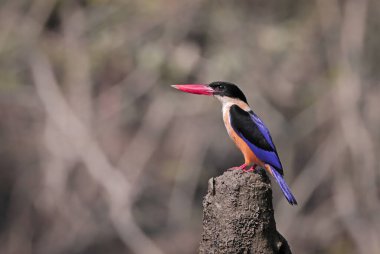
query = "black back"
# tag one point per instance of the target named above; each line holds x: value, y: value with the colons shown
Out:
x: 241, y: 121
x: 259, y: 137
x: 222, y: 88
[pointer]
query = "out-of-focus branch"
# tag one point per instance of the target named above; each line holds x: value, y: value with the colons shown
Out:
x: 86, y: 148
x: 355, y: 132
x: 317, y: 170
x: 77, y: 65
x: 186, y: 179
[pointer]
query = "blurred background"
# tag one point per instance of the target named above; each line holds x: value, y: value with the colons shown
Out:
x: 98, y: 154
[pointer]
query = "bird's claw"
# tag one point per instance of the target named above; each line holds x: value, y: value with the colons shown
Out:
x: 251, y: 169
x: 241, y: 167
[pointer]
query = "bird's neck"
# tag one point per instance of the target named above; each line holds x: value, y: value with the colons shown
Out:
x: 226, y: 104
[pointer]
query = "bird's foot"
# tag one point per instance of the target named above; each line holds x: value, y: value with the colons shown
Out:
x: 241, y: 167
x: 251, y: 169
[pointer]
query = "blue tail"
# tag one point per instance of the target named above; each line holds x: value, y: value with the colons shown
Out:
x: 284, y: 187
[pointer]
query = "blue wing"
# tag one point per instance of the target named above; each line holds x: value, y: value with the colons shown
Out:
x: 254, y: 132
x: 263, y: 129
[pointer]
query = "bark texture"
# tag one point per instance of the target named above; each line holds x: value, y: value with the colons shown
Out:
x: 238, y: 216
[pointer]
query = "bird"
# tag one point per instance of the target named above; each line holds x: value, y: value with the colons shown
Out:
x: 246, y: 129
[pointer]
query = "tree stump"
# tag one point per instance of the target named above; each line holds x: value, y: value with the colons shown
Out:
x: 238, y: 216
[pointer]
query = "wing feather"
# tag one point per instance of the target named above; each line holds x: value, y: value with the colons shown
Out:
x: 254, y: 132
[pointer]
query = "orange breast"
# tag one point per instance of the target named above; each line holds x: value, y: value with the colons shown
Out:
x: 249, y: 156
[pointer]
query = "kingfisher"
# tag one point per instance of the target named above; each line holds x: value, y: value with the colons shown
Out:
x: 246, y: 130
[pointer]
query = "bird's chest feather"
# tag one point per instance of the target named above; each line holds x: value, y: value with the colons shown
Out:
x: 231, y: 132
x: 227, y: 122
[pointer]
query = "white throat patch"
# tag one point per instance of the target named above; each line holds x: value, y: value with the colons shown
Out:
x: 228, y: 102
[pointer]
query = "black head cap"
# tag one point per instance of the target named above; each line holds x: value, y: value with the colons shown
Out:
x: 222, y: 88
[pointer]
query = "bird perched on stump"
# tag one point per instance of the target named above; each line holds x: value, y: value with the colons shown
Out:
x: 246, y: 129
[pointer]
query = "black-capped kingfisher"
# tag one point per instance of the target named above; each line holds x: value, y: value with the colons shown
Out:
x: 246, y: 129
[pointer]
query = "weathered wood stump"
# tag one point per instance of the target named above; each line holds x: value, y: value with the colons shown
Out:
x: 238, y: 216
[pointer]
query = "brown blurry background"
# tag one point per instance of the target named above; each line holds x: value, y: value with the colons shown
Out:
x: 98, y: 154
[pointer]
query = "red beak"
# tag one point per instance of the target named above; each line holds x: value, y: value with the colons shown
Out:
x: 195, y: 89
